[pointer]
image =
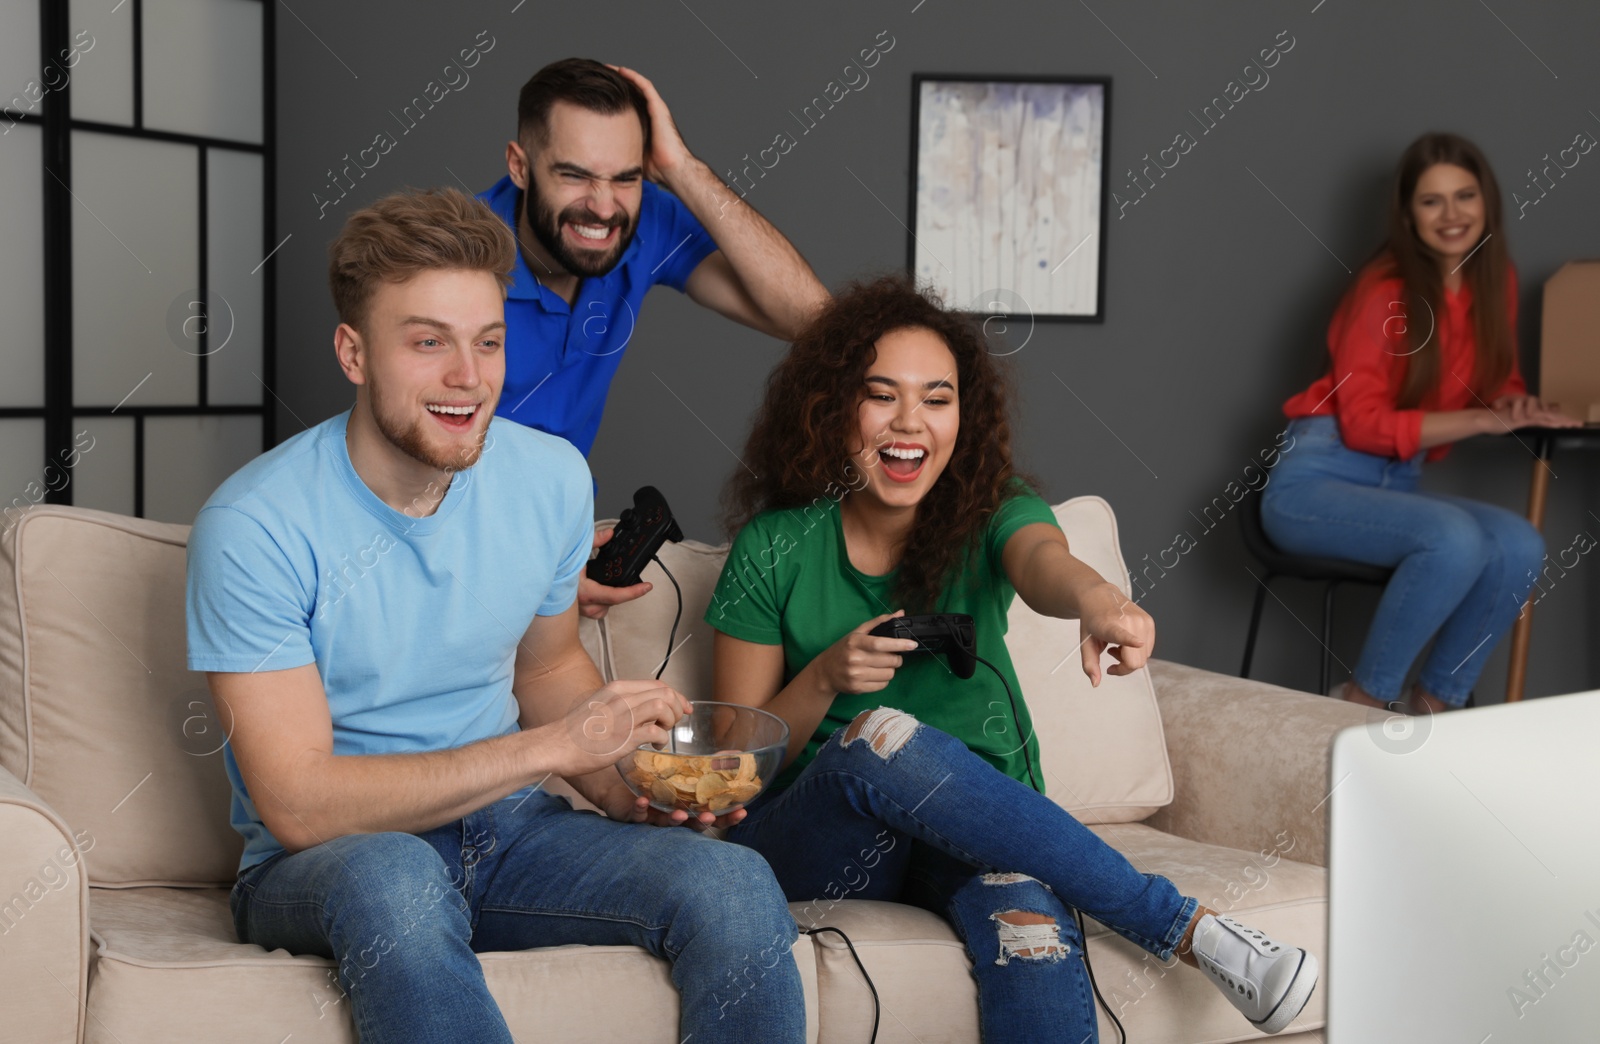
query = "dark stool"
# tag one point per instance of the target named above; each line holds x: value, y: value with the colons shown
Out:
x: 1330, y: 571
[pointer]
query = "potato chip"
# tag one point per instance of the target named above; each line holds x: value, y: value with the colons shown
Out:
x: 709, y: 784
x: 695, y: 782
x: 743, y: 792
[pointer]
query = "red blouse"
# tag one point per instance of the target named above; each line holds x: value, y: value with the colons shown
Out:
x: 1369, y: 346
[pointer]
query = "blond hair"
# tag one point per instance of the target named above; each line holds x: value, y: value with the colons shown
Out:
x: 410, y: 232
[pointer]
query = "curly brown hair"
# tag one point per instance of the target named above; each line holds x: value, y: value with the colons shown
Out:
x: 799, y: 444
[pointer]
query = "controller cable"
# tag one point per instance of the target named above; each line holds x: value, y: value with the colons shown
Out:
x: 1122, y: 1034
x: 863, y: 967
x: 1015, y: 717
x: 673, y: 634
x: 803, y: 931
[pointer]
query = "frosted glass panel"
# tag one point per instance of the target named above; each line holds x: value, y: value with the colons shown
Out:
x: 19, y: 56
x: 202, y: 67
x: 22, y: 475
x: 103, y: 478
x: 135, y: 265
x: 21, y: 269
x: 186, y: 459
x: 235, y: 195
x: 102, y: 79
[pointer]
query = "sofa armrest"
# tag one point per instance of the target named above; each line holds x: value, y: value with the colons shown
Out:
x: 44, y: 919
x: 1249, y: 761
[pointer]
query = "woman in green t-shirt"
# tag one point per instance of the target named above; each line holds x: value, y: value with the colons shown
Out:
x: 877, y: 480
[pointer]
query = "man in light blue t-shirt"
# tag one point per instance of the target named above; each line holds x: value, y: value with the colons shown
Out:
x: 385, y: 606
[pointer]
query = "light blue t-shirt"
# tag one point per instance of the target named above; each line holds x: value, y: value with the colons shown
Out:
x: 413, y: 623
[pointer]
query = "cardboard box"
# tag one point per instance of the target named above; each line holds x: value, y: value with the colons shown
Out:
x: 1569, y: 348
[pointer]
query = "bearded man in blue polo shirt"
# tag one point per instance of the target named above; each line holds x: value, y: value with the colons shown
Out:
x: 596, y: 231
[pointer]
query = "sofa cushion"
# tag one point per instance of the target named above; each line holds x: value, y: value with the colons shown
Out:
x: 98, y: 714
x: 636, y: 632
x: 919, y: 969
x: 1103, y: 749
x: 927, y: 993
x: 169, y: 967
x: 1100, y: 781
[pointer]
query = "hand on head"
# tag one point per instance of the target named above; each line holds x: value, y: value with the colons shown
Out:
x: 667, y: 149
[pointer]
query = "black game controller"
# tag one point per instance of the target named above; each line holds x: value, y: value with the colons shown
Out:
x: 639, y: 534
x: 950, y: 633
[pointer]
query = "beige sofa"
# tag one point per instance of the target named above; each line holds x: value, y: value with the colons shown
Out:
x: 116, y: 853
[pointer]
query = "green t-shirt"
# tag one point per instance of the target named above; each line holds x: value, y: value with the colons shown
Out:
x: 788, y: 581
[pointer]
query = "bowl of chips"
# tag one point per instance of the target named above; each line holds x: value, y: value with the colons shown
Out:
x: 718, y: 757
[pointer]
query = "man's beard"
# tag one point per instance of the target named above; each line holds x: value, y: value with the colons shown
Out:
x: 412, y: 440
x: 546, y: 225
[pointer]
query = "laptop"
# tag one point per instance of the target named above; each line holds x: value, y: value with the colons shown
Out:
x: 1464, y: 877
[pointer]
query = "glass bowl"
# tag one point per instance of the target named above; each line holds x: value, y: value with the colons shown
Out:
x: 718, y: 758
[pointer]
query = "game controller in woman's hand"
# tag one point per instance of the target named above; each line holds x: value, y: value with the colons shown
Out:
x: 950, y: 633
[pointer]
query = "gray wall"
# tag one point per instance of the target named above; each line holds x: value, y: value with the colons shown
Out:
x: 1217, y: 297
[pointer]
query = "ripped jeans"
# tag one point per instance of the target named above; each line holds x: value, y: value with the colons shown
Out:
x: 895, y: 810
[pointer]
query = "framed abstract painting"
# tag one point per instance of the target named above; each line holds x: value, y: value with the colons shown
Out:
x: 1009, y: 193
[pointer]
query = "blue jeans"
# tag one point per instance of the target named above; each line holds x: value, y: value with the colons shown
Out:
x: 926, y: 821
x: 1462, y: 569
x: 405, y: 914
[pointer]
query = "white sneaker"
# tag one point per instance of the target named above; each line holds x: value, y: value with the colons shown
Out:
x: 1268, y: 982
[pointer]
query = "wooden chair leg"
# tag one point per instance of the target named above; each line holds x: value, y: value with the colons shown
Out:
x: 1522, y: 630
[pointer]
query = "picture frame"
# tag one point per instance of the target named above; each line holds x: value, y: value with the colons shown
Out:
x: 1009, y: 194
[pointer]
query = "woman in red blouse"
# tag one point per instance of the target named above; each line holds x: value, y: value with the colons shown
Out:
x: 1423, y: 353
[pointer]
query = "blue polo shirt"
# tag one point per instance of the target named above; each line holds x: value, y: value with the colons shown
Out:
x: 560, y: 358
